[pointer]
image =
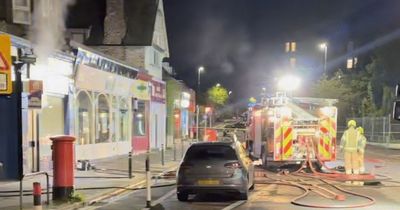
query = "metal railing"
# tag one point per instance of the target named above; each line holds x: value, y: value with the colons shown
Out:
x: 34, y: 174
x: 382, y: 130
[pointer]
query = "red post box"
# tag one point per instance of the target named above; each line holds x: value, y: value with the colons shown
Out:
x: 63, y: 166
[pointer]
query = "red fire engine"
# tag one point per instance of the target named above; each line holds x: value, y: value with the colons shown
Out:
x: 283, y: 128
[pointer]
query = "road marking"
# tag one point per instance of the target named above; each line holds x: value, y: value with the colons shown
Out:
x: 164, y: 197
x: 234, y: 205
x: 120, y: 191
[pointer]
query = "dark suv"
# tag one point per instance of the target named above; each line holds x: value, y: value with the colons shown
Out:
x: 215, y: 167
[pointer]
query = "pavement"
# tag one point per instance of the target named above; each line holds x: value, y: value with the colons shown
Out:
x: 108, y: 179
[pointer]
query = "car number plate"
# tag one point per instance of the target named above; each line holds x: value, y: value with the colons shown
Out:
x: 208, y: 182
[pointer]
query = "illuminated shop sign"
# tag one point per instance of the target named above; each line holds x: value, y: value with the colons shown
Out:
x: 158, y: 91
x: 105, y: 64
x: 185, y: 100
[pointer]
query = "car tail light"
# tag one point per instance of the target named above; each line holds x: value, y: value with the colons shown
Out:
x: 233, y: 165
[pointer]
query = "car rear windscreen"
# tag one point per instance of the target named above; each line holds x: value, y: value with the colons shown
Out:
x: 207, y: 152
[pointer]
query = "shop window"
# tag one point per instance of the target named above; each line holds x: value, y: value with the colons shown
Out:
x: 84, y: 118
x: 139, y: 120
x: 103, y: 120
x: 114, y: 122
x: 123, y: 120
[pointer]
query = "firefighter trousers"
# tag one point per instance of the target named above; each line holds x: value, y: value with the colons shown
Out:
x: 351, y: 162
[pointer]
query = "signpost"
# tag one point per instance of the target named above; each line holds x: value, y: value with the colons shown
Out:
x: 5, y: 65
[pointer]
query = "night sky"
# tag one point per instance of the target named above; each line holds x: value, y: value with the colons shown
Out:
x: 241, y: 42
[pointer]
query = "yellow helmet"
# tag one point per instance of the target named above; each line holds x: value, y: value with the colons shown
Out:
x: 360, y: 130
x: 352, y: 123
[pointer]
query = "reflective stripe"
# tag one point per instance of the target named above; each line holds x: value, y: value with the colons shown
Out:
x: 287, y: 142
x: 351, y: 139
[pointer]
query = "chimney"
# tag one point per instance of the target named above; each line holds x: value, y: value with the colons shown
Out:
x: 114, y: 22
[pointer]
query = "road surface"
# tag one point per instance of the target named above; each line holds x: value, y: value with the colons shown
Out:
x: 277, y: 197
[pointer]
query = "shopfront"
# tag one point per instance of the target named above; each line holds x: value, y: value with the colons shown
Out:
x: 103, y: 113
x: 141, y: 116
x: 158, y: 114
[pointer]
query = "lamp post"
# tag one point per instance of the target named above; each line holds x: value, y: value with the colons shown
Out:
x: 199, y: 70
x: 324, y: 47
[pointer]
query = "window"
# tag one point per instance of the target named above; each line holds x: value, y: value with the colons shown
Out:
x: 287, y: 48
x: 293, y: 47
x: 123, y: 120
x: 139, y: 120
x: 350, y: 63
x: 103, y: 120
x: 156, y: 58
x: 84, y: 118
x: 201, y: 153
x: 21, y: 11
x: 290, y: 47
x: 292, y: 62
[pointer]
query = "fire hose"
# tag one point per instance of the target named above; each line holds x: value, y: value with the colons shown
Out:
x: 318, y: 190
x: 335, y: 175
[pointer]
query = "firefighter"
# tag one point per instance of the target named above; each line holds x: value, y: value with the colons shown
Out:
x: 349, y: 143
x: 362, y: 141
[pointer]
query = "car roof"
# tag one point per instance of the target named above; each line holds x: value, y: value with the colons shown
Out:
x: 215, y: 143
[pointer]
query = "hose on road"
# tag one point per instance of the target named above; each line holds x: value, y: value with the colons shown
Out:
x: 306, y: 192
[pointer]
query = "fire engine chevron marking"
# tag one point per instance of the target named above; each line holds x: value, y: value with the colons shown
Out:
x: 287, y: 142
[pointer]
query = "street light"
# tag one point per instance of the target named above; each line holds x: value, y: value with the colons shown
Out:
x: 218, y: 85
x: 199, y: 71
x: 230, y: 92
x: 324, y: 47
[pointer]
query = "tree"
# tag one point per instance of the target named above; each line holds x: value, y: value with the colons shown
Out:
x: 217, y: 95
x: 336, y: 88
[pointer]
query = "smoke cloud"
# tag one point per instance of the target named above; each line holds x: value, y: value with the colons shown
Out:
x: 48, y: 31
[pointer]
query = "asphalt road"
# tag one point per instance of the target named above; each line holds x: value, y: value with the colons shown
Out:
x: 278, y: 197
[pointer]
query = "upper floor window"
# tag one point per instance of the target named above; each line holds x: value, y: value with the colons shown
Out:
x: 156, y: 58
x: 21, y: 12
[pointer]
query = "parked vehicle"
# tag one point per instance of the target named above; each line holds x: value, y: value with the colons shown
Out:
x: 222, y: 167
x: 283, y: 127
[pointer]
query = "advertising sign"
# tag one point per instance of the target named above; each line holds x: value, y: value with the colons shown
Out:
x: 35, y: 94
x: 5, y: 65
x: 140, y: 90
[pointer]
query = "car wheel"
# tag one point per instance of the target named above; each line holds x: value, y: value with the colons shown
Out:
x: 182, y: 196
x: 243, y: 196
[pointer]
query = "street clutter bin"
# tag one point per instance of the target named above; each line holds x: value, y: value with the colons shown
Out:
x: 63, y: 167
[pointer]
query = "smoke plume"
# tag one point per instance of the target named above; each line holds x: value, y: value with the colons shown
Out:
x: 47, y: 33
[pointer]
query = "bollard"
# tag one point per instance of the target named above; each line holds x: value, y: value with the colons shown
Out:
x: 162, y: 155
x: 37, y: 196
x: 130, y: 165
x: 148, y: 181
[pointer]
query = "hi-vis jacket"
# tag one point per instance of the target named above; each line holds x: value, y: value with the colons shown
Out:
x: 350, y: 139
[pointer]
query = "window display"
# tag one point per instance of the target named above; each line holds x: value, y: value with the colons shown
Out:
x: 84, y: 118
x: 123, y: 120
x: 103, y: 120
